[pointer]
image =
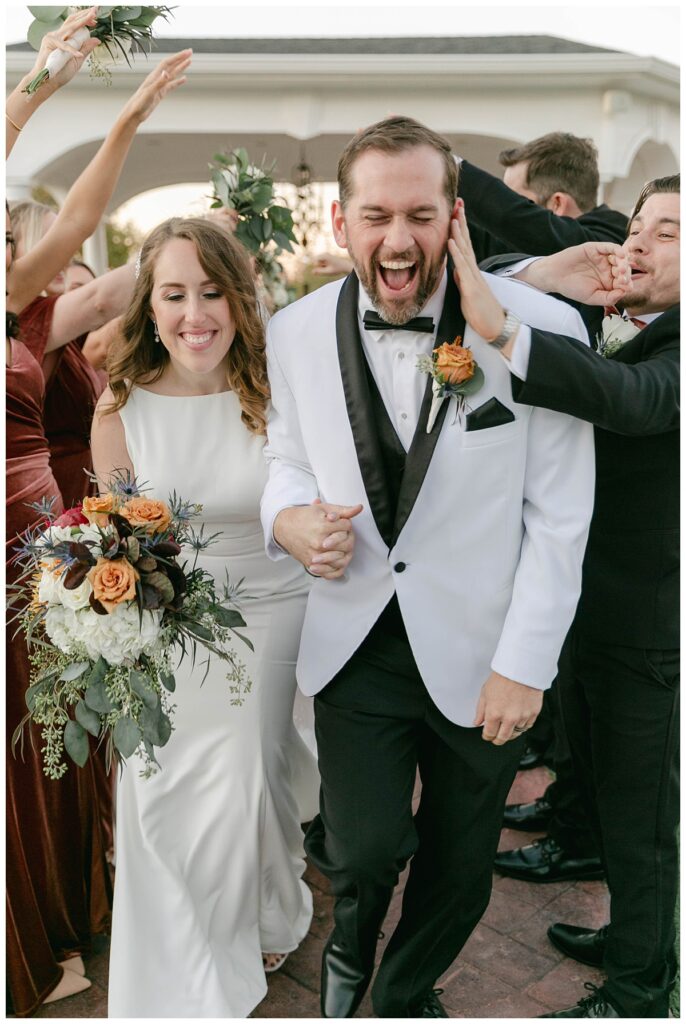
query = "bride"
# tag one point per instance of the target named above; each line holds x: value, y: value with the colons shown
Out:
x: 209, y: 892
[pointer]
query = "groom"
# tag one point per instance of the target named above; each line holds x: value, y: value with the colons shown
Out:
x: 449, y: 561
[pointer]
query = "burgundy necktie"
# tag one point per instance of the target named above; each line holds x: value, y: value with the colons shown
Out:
x: 613, y: 311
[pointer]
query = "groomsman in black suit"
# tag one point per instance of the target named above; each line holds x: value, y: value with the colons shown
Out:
x: 547, y: 201
x: 618, y: 671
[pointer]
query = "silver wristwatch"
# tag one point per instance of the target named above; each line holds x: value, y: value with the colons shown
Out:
x: 510, y: 328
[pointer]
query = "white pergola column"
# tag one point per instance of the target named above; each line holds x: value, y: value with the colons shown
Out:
x: 95, y: 250
x: 17, y: 189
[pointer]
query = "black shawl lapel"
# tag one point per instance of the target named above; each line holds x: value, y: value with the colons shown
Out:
x: 451, y: 324
x: 358, y: 400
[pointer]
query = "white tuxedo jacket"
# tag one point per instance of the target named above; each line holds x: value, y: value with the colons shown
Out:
x: 486, y: 549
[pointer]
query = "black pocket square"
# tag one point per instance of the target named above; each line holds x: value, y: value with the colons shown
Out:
x: 491, y: 414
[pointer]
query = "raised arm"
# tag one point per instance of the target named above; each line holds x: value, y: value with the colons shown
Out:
x: 88, y: 308
x: 523, y: 225
x: 88, y: 197
x: 20, y: 107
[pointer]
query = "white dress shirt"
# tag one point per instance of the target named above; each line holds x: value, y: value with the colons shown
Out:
x: 392, y: 356
x: 518, y: 360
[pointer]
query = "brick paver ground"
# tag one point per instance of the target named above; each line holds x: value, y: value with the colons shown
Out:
x: 507, y: 969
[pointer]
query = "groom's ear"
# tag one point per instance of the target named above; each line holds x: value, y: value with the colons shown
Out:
x: 338, y: 224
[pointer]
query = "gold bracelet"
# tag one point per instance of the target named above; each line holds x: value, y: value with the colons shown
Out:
x: 12, y: 122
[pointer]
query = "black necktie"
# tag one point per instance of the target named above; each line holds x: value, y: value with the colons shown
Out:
x: 373, y: 322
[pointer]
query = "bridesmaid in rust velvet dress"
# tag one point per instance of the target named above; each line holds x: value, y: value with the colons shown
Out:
x: 58, y: 881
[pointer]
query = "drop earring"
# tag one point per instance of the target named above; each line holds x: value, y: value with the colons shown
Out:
x: 157, y: 333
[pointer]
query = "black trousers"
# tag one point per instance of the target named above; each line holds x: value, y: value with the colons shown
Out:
x: 621, y: 713
x: 376, y: 725
x: 569, y: 824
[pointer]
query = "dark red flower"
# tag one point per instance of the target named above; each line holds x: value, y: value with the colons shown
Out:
x: 72, y: 517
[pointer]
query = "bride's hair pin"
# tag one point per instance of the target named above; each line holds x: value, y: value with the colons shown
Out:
x: 138, y: 264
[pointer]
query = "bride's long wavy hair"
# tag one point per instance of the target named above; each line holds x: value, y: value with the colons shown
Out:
x: 135, y: 358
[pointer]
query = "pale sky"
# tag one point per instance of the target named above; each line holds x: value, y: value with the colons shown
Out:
x: 635, y: 28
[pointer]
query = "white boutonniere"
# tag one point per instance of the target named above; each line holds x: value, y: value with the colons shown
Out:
x: 454, y: 372
x: 616, y: 331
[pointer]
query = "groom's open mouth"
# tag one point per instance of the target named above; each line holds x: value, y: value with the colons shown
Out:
x: 398, y: 276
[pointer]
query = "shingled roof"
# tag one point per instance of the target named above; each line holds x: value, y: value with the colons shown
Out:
x: 372, y: 45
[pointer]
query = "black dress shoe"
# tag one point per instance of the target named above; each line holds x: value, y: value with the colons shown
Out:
x: 533, y: 817
x: 595, y: 1005
x: 530, y: 759
x: 587, y: 945
x: 431, y: 1006
x: 344, y: 982
x: 545, y: 861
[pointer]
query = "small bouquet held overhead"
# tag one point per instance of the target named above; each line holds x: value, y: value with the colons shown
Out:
x: 264, y: 225
x: 119, y: 30
x: 454, y: 373
x: 107, y: 608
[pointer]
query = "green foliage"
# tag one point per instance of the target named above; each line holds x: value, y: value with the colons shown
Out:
x: 122, y: 241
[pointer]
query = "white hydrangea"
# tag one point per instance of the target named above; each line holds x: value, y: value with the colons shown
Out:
x: 60, y: 625
x: 118, y: 637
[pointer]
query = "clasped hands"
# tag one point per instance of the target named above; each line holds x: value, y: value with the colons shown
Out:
x: 320, y: 536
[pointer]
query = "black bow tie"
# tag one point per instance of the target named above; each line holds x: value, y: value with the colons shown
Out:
x: 373, y: 322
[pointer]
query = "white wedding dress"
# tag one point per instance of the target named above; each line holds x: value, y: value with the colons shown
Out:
x: 209, y: 854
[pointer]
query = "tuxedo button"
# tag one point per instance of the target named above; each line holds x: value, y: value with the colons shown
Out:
x: 399, y: 567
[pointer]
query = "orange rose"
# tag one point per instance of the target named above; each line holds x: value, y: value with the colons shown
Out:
x: 153, y: 516
x: 454, y: 363
x: 113, y: 581
x: 96, y: 510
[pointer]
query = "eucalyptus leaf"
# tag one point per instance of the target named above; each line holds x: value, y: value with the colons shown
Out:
x: 156, y: 726
x: 168, y: 681
x: 32, y: 693
x: 48, y: 13
x: 126, y: 736
x: 76, y: 743
x: 228, y: 617
x: 38, y: 29
x: 199, y: 630
x: 126, y: 13
x: 471, y: 386
x: 72, y: 672
x: 139, y: 684
x: 89, y: 719
x: 96, y: 698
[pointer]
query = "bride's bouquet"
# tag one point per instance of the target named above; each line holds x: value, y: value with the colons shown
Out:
x: 108, y: 608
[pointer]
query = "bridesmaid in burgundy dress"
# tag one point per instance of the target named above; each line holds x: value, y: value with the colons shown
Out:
x: 58, y: 881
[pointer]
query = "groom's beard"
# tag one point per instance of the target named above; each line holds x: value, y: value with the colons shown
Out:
x: 401, y: 310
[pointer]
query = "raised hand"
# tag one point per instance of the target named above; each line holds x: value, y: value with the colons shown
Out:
x: 506, y: 709
x: 596, y: 273
x: 167, y: 76
x: 73, y: 39
x: 480, y: 308
x: 320, y: 536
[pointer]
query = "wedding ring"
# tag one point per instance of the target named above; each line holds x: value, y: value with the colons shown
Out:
x: 518, y: 728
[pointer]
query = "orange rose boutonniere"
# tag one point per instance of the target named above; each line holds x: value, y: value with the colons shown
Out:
x: 454, y: 372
